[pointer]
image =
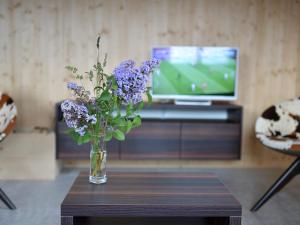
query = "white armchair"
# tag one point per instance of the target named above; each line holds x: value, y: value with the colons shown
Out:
x: 8, y: 116
x: 278, y: 128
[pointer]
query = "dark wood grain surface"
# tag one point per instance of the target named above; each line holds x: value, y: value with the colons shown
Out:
x: 210, y: 140
x: 153, y: 140
x: 148, y: 194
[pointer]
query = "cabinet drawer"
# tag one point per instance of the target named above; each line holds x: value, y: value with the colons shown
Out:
x: 210, y: 141
x: 153, y: 140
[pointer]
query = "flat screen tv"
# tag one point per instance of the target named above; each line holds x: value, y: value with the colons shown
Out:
x: 195, y: 73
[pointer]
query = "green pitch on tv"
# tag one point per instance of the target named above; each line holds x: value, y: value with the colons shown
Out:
x: 195, y: 73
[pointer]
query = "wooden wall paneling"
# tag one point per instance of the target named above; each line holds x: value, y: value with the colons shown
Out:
x: 298, y: 67
x: 6, y: 77
x: 38, y: 38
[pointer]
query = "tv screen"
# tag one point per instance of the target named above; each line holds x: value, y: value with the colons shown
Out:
x: 203, y: 73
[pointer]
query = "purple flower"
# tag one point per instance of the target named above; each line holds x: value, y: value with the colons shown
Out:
x: 81, y: 130
x: 72, y: 86
x: 76, y: 116
x: 79, y: 91
x: 91, y: 119
x: 148, y: 66
x: 145, y: 69
x: 132, y: 81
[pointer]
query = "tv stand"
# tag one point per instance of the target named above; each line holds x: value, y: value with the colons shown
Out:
x: 169, y: 131
x: 189, y: 102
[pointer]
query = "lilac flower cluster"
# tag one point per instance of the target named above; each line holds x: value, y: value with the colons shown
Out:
x: 72, y: 86
x: 79, y: 91
x: 132, y: 81
x: 76, y: 116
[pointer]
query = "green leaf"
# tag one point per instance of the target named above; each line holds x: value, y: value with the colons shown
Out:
x: 140, y: 106
x: 116, y: 120
x: 129, y: 109
x: 112, y: 80
x: 94, y: 159
x: 122, y: 125
x: 149, y: 96
x: 71, y: 69
x: 76, y: 137
x: 108, y: 136
x: 83, y: 139
x: 105, y: 96
x: 129, y: 126
x: 114, y: 87
x: 136, y: 121
x: 119, y: 135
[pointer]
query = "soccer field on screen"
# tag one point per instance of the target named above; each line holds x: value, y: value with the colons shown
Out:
x: 197, y: 79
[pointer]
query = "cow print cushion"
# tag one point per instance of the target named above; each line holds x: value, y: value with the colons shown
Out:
x: 8, y: 115
x: 279, y: 126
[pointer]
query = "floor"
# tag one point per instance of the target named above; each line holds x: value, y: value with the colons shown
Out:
x: 38, y: 202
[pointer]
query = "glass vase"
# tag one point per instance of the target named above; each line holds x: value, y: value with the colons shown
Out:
x: 98, y: 162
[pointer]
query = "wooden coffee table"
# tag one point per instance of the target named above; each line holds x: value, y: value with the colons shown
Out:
x: 151, y: 198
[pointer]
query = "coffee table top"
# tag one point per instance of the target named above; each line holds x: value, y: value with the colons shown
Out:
x: 152, y: 194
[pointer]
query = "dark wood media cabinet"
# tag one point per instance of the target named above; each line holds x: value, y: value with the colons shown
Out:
x: 169, y: 132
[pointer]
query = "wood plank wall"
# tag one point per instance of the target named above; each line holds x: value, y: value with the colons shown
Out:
x: 39, y: 37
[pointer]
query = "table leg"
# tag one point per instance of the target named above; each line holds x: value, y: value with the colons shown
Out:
x: 6, y: 200
x: 67, y: 220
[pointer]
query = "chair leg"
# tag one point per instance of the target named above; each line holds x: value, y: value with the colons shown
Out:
x: 6, y: 200
x: 292, y: 171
